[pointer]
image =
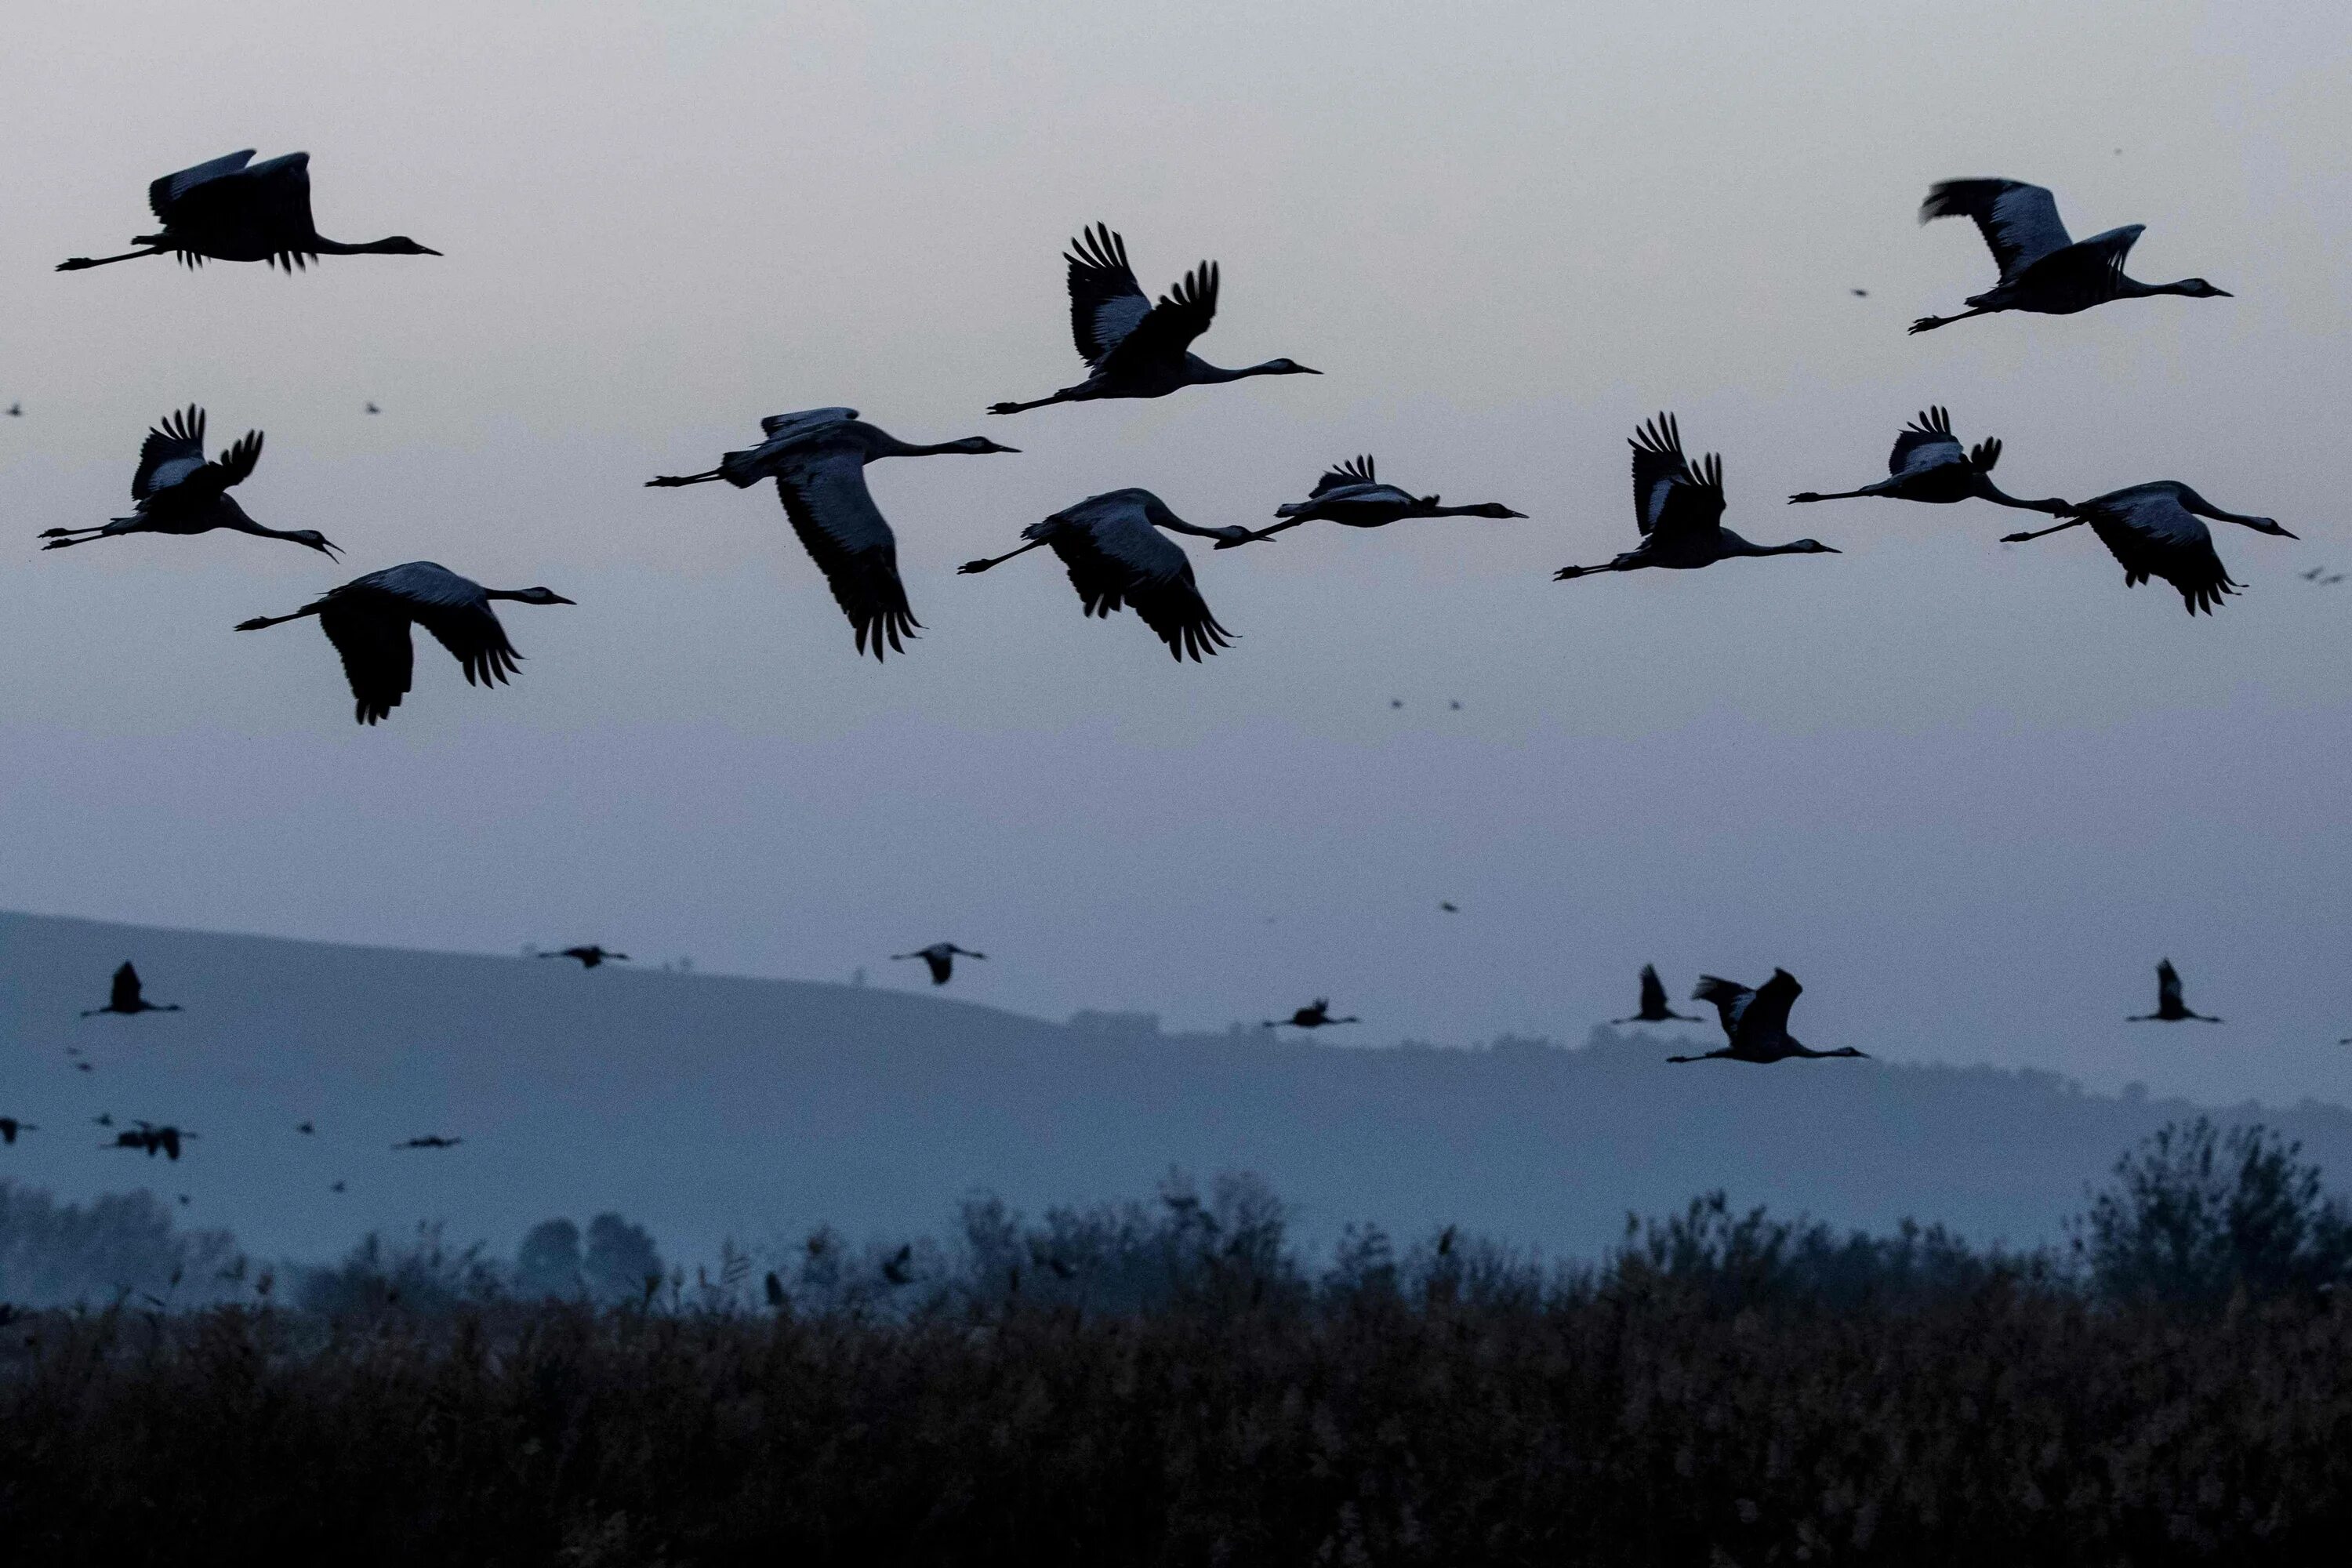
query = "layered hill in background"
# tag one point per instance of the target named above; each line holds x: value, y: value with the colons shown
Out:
x: 706, y: 1106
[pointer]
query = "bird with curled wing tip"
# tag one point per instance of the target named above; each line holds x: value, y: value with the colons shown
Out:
x: 1317, y: 1014
x: 1114, y: 549
x: 10, y: 1127
x: 1756, y: 1021
x: 817, y: 458
x: 1654, y: 1008
x: 1132, y: 347
x: 1928, y: 465
x: 940, y: 957
x: 429, y: 1141
x: 589, y: 957
x: 2043, y: 269
x: 2153, y: 531
x: 2169, y: 1008
x: 368, y: 620
x: 176, y: 491
x: 1352, y: 496
x: 233, y: 209
x: 127, y: 997
x: 1679, y: 507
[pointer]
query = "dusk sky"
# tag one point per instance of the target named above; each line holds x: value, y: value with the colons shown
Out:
x: 1968, y: 793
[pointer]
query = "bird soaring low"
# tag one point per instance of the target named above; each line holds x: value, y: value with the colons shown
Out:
x: 2169, y: 1008
x: 151, y: 1139
x: 1352, y: 496
x: 1116, y: 556
x: 1315, y: 1015
x: 589, y: 957
x: 2152, y: 530
x: 1928, y: 465
x: 125, y: 997
x: 817, y: 458
x: 233, y: 209
x: 176, y: 491
x: 368, y: 619
x: 1679, y: 507
x: 940, y: 956
x: 2042, y: 268
x: 1135, y: 348
x: 10, y: 1127
x: 1756, y: 1021
x: 1654, y: 1008
x: 430, y: 1140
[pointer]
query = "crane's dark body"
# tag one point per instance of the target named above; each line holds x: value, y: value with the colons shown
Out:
x: 939, y: 958
x: 126, y: 996
x: 1928, y: 465
x: 1315, y: 1015
x: 1679, y: 507
x: 589, y: 957
x: 176, y: 491
x: 1352, y: 496
x: 2044, y: 271
x: 2169, y: 1008
x: 232, y: 209
x: 2155, y: 530
x: 1756, y: 1021
x: 1654, y: 1008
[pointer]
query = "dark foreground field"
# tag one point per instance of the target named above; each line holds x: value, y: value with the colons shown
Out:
x: 1724, y: 1390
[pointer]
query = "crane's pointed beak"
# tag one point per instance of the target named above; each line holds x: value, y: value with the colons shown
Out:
x: 560, y: 599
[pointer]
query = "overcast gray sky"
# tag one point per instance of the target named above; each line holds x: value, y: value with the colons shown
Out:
x: 1969, y: 793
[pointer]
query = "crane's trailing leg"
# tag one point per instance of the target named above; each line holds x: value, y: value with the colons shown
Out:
x: 79, y: 262
x: 663, y: 482
x: 258, y: 622
x: 2041, y: 533
x: 1833, y: 495
x: 1929, y: 323
x: 971, y: 568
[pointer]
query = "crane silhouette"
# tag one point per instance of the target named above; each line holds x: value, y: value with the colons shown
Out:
x: 125, y: 997
x: 1114, y: 552
x: 1756, y: 1020
x: 2042, y: 268
x: 306, y: 1129
x: 233, y: 209
x: 2153, y: 531
x: 1315, y: 1015
x: 1679, y: 510
x: 817, y: 458
x: 940, y: 956
x: 1132, y: 347
x: 2170, y: 1008
x: 368, y: 620
x: 429, y: 1141
x: 151, y: 1139
x: 176, y: 491
x: 10, y: 1127
x: 589, y: 957
x: 1352, y: 496
x: 1654, y: 1008
x: 1928, y: 465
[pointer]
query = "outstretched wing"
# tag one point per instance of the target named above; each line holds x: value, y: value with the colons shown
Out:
x: 1768, y: 1013
x: 2151, y: 535
x: 237, y: 463
x: 2019, y: 222
x: 1356, y: 471
x: 277, y: 204
x: 1106, y: 301
x: 124, y: 995
x: 807, y: 421
x: 1926, y: 442
x: 2168, y: 987
x: 164, y: 195
x: 845, y: 534
x: 1121, y: 559
x: 371, y: 632
x: 1669, y: 494
x: 173, y: 451
x: 2093, y: 267
x: 1168, y: 328
x: 1653, y: 990
x: 1731, y: 1000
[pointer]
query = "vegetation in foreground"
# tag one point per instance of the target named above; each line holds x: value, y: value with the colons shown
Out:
x: 1167, y: 1383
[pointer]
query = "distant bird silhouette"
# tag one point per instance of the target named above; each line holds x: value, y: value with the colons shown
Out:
x: 894, y: 1268
x: 589, y: 957
x: 1756, y: 1021
x: 817, y: 458
x: 1679, y: 510
x: 83, y: 1066
x: 104, y: 1119
x: 1454, y: 705
x: 15, y: 411
x: 1133, y: 347
x: 125, y: 997
x: 430, y: 1140
x: 1315, y: 1015
x: 2170, y: 1008
x: 1928, y: 465
x: 1449, y: 907
x: 1351, y: 496
x: 2331, y: 580
x: 176, y: 491
x: 150, y: 1140
x: 2313, y: 575
x: 185, y: 1200
x: 1116, y: 555
x: 940, y: 956
x: 1396, y: 701
x: 10, y: 1127
x: 368, y: 619
x: 1859, y: 293
x: 2153, y: 531
x: 336, y: 1186
x: 371, y: 408
x: 2042, y: 269
x: 232, y: 209
x: 306, y: 1129
x: 1654, y: 1008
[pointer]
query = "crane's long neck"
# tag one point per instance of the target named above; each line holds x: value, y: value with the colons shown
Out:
x: 1992, y: 492
x: 2204, y: 508
x: 2133, y: 289
x: 898, y: 448
x: 391, y: 245
x: 1204, y: 373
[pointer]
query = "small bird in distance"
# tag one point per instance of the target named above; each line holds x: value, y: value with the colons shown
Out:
x: 2169, y: 1008
x: 1654, y: 1008
x: 941, y: 957
x: 1315, y: 1015
x: 589, y: 957
x: 429, y: 1141
x: 126, y: 997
